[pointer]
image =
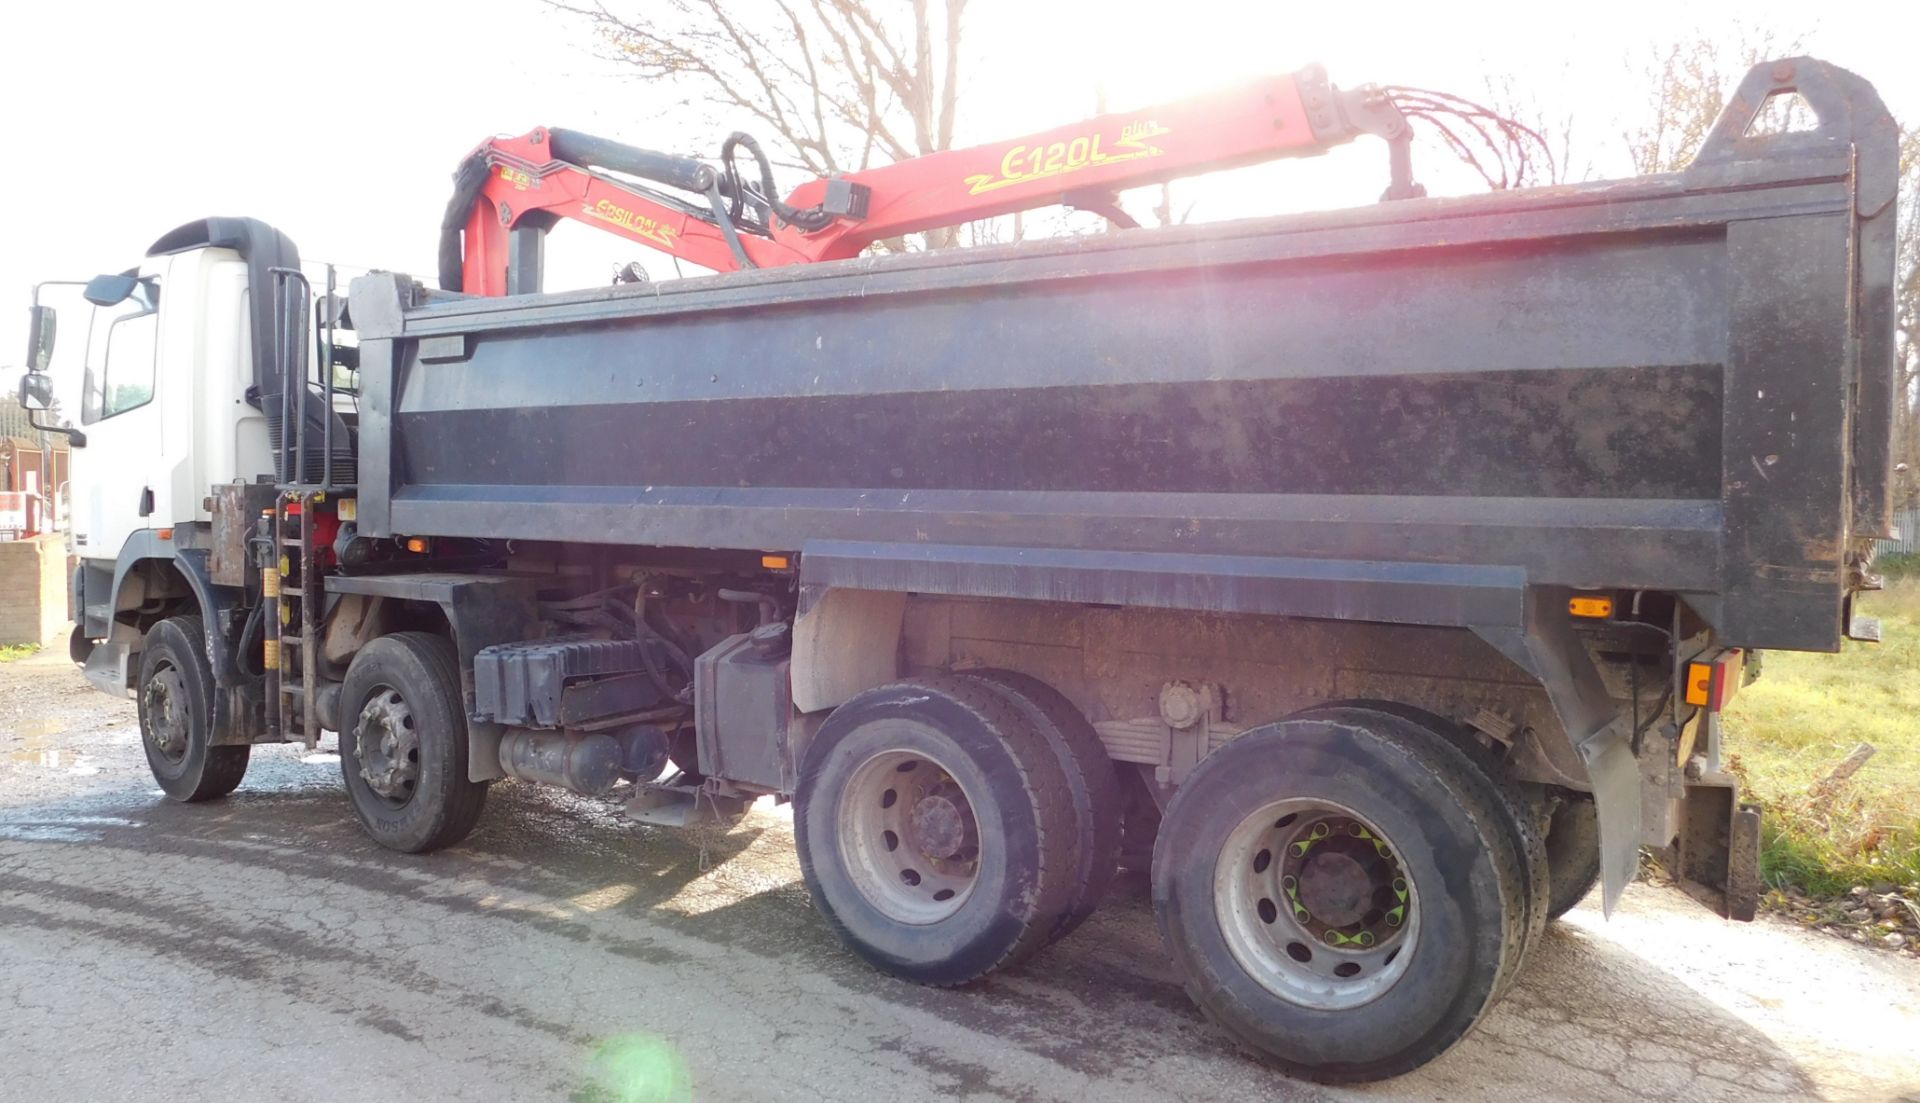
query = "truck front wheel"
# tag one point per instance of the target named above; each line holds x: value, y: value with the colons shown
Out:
x: 1344, y: 898
x: 936, y: 830
x: 177, y: 700
x: 403, y: 747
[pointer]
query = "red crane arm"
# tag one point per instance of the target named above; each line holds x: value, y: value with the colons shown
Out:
x: 527, y: 187
x: 544, y: 175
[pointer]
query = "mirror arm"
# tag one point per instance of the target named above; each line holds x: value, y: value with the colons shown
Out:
x: 75, y: 438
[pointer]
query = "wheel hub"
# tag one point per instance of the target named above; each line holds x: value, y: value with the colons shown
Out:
x: 909, y: 837
x: 942, y: 825
x: 168, y: 722
x: 1343, y: 883
x: 1314, y: 904
x: 1336, y: 888
x: 387, y: 745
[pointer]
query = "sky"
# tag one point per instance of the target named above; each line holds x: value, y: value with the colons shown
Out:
x: 341, y: 122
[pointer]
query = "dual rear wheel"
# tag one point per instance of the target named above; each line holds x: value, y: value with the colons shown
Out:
x: 951, y: 826
x: 1345, y: 893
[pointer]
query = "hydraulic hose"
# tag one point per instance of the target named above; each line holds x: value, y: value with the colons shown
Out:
x: 572, y: 147
x: 684, y: 173
x: 468, y: 179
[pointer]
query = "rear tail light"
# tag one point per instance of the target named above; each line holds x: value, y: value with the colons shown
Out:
x: 1712, y: 684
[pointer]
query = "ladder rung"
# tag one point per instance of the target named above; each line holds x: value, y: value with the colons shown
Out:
x: 291, y: 641
x: 292, y: 591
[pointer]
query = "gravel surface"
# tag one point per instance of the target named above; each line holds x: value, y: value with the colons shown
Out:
x: 260, y: 947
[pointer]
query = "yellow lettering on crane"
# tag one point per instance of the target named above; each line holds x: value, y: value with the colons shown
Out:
x: 1022, y: 163
x: 640, y: 225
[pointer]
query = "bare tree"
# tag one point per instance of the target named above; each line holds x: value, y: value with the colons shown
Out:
x: 837, y: 83
x: 1687, y: 85
x: 1906, y: 289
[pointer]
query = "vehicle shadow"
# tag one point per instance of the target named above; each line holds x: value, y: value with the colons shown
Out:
x: 1588, y: 1020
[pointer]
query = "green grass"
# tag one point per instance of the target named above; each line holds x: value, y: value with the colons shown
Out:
x: 14, y: 651
x: 1898, y: 565
x: 1786, y: 731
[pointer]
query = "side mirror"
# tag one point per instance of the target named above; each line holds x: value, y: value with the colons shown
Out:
x: 110, y: 290
x: 36, y: 391
x: 40, y: 330
x: 36, y: 396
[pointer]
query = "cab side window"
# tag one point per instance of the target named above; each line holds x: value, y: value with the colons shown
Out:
x: 121, y: 356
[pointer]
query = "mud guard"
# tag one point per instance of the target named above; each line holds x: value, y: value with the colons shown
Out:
x: 1544, y: 645
x: 212, y: 600
x: 481, y: 610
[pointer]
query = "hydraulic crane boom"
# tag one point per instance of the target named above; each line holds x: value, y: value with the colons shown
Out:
x: 509, y: 191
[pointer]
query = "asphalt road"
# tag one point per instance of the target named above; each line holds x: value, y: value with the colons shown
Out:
x: 260, y: 947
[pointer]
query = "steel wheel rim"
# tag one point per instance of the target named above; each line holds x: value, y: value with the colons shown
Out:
x: 168, y: 719
x: 1288, y: 859
x: 909, y: 838
x: 387, y: 747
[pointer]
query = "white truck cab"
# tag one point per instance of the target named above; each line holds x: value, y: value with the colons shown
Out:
x: 164, y: 401
x: 172, y: 401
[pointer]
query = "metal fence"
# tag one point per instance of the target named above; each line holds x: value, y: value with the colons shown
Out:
x: 1906, y: 527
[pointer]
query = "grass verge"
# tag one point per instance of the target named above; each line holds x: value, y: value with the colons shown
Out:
x: 14, y: 651
x: 1786, y: 732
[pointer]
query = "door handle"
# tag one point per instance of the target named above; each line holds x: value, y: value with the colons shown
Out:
x: 146, y: 501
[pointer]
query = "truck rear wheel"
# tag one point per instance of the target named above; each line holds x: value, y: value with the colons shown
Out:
x: 935, y: 830
x: 1342, y: 896
x: 1092, y: 783
x: 1573, y: 855
x: 1520, y: 809
x: 177, y: 700
x: 403, y: 750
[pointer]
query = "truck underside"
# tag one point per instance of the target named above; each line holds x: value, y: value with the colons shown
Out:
x: 1375, y: 577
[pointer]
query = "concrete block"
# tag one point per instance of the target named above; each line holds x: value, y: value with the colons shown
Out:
x: 33, y: 589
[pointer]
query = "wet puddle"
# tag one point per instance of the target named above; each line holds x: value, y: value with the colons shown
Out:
x: 37, y: 746
x: 40, y: 746
x: 60, y: 829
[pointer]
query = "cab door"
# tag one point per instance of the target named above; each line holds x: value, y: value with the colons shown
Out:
x: 119, y: 477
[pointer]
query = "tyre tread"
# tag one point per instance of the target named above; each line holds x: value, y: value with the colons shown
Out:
x: 465, y: 800
x: 1448, y: 770
x: 1092, y: 784
x: 1041, y: 782
x: 221, y: 767
x: 1573, y: 855
x: 1518, y: 811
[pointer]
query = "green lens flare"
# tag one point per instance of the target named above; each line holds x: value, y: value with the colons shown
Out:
x: 640, y: 1068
